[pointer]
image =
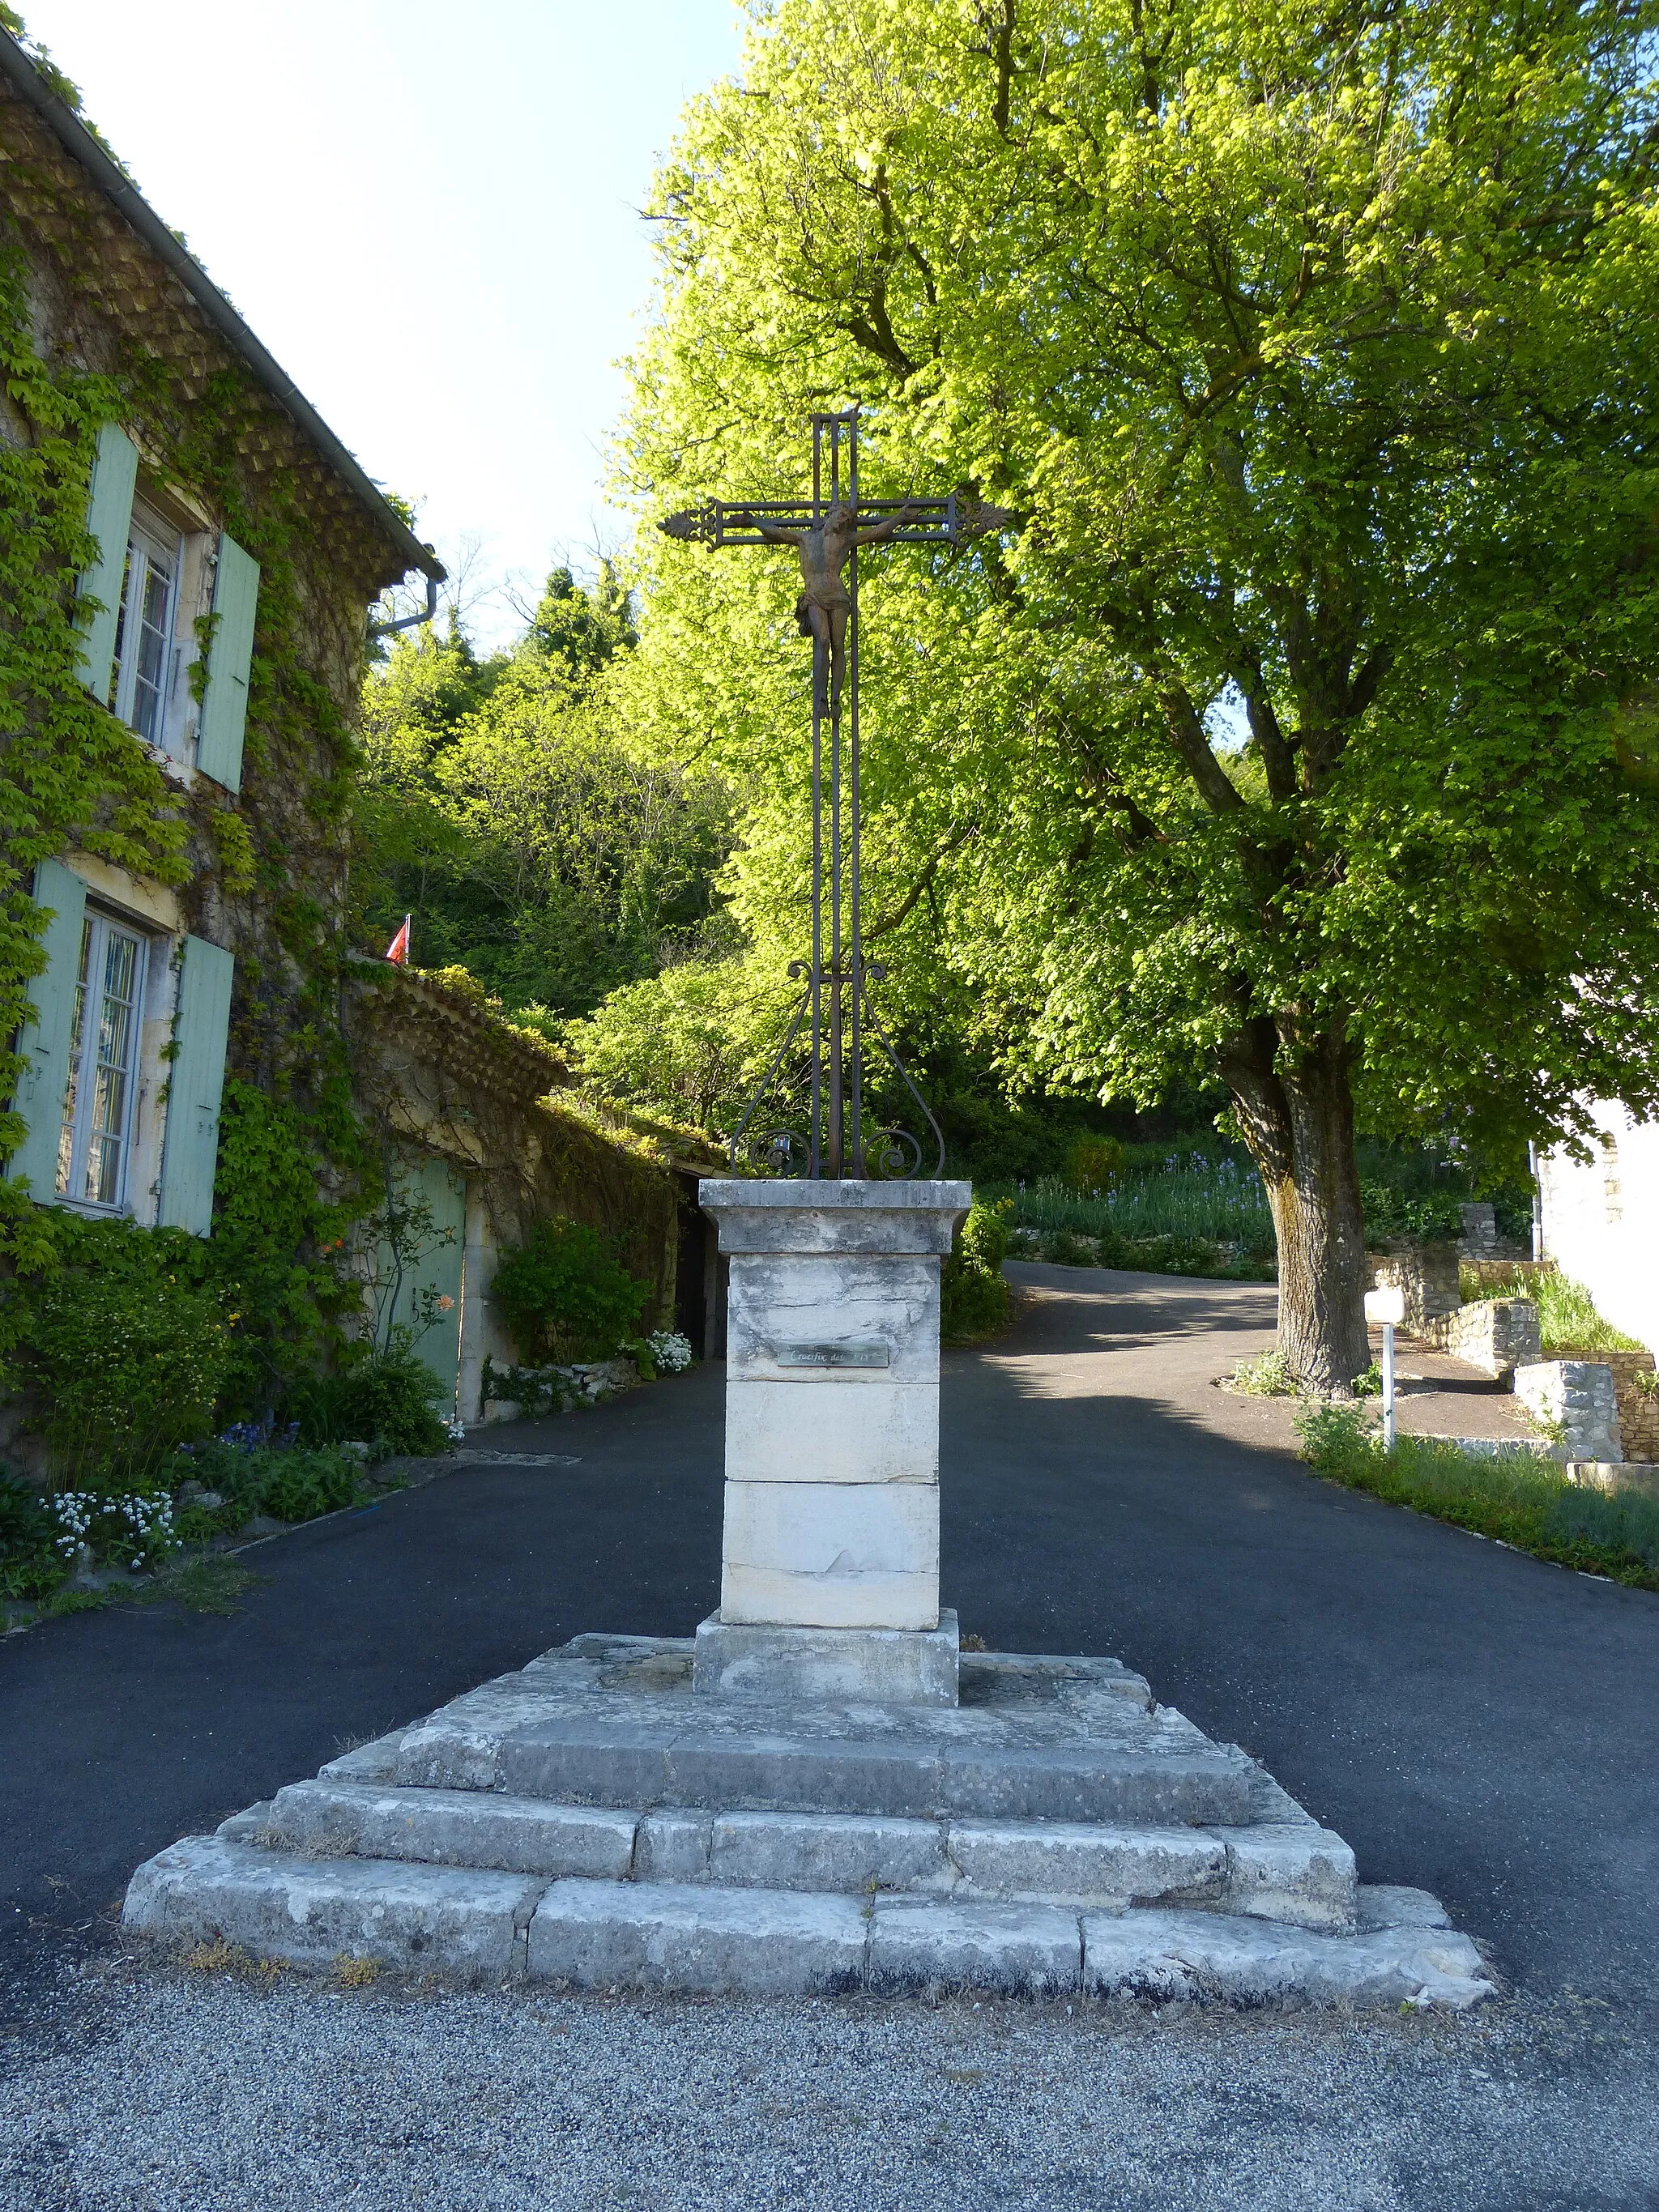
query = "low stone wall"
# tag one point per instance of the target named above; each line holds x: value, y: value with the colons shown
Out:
x: 1497, y: 1335
x: 1503, y: 1275
x: 1427, y: 1274
x: 1638, y: 1409
x: 1575, y: 1396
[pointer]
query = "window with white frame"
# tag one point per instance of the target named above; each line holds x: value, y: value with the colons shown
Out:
x: 146, y: 658
x: 95, y: 1144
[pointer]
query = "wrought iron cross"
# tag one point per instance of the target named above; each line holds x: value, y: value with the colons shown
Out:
x: 826, y: 532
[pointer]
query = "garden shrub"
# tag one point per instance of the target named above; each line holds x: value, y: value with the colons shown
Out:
x: 289, y: 1481
x: 122, y: 1350
x: 565, y: 1295
x: 29, y: 1566
x: 306, y: 1483
x: 1267, y: 1376
x: 1063, y: 1247
x: 973, y: 1290
x: 274, y: 1255
x: 388, y: 1398
x: 1433, y: 1217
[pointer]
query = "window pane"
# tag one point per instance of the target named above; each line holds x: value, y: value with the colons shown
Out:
x: 101, y: 1112
x: 118, y: 660
x: 66, y: 1135
x: 152, y: 649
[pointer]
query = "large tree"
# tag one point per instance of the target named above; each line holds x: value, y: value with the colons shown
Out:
x: 1302, y: 733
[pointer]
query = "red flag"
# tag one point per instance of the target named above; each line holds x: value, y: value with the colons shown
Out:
x: 398, y: 948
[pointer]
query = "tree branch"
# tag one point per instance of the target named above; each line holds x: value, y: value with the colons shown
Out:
x: 922, y: 885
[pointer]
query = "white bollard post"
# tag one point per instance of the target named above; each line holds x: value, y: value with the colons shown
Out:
x: 1388, y: 1307
x: 1387, y: 1386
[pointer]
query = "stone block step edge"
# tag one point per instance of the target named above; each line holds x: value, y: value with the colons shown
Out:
x: 493, y: 1929
x: 624, y: 1767
x: 1300, y: 1875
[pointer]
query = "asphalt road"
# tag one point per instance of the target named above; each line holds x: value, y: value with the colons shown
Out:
x: 1472, y: 1720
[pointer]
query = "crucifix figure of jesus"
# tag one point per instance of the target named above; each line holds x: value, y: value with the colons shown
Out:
x: 827, y: 532
x: 825, y: 604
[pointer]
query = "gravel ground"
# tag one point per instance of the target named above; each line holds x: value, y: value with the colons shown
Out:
x: 137, y: 2086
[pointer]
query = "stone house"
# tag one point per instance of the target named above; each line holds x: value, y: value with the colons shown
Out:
x: 207, y: 460
x: 198, y: 692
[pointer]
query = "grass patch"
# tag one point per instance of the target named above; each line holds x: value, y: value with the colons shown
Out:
x: 208, y: 1584
x: 222, y: 1957
x: 1567, y: 1319
x: 1267, y: 1376
x: 356, y: 1973
x: 1518, y: 1499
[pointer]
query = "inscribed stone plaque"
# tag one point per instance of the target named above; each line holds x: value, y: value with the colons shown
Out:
x: 870, y: 1352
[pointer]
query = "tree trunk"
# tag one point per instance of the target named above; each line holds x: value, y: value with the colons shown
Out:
x: 1295, y: 1108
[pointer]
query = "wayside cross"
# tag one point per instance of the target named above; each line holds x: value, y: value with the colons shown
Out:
x: 827, y: 530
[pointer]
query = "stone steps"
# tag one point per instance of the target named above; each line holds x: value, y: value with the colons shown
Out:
x: 590, y: 1819
x: 1282, y: 1870
x: 497, y: 1927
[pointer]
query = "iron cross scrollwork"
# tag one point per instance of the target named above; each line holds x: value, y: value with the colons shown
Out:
x: 826, y: 532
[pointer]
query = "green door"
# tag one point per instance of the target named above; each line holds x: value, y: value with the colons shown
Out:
x: 419, y: 1279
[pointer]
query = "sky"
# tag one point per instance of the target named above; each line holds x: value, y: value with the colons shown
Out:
x: 431, y: 217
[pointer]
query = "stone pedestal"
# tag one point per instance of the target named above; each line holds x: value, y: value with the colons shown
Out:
x: 831, y: 1440
x: 829, y: 1666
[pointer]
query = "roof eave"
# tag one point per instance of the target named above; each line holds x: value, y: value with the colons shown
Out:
x: 117, y: 188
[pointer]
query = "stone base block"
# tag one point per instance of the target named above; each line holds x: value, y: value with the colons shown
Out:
x: 831, y: 1431
x: 765, y: 1943
x: 450, y: 1920
x: 831, y: 1554
x: 829, y: 1666
x: 1302, y: 1876
x: 452, y: 1827
x: 1615, y: 1475
x: 1016, y: 1950
x: 1211, y: 1958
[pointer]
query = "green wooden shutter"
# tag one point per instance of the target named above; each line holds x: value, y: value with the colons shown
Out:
x: 44, y: 1042
x: 109, y: 517
x: 224, y: 708
x: 190, y: 1151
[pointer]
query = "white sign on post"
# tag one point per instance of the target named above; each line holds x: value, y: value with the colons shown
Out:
x: 1389, y: 1307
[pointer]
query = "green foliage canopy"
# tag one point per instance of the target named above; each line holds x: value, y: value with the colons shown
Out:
x: 501, y: 805
x: 1302, y: 732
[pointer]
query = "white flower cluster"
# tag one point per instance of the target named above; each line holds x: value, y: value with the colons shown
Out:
x: 670, y: 1350
x: 140, y: 1524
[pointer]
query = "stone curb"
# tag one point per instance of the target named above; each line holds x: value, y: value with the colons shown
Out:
x: 484, y: 1926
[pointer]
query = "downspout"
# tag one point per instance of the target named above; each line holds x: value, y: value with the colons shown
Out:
x: 408, y: 622
x: 1537, y: 1204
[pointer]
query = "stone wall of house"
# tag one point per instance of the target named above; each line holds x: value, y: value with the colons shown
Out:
x: 1601, y: 1218
x: 209, y: 436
